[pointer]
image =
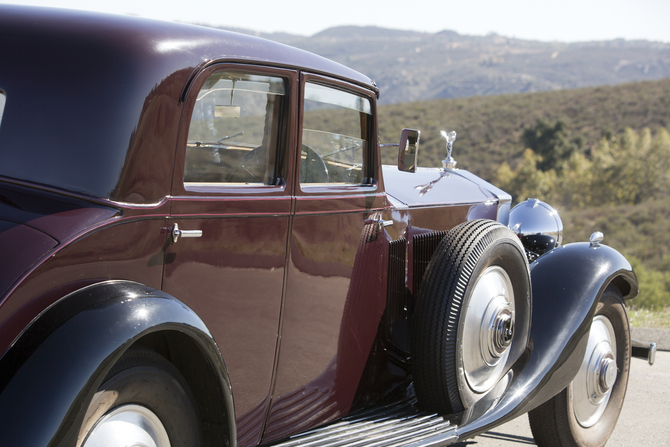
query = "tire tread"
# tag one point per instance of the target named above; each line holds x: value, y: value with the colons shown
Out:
x: 435, y: 326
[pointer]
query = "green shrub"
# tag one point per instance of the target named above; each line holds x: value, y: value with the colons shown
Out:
x: 654, y: 287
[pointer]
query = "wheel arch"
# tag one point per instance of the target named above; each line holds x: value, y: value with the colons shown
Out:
x: 567, y: 283
x: 52, y: 370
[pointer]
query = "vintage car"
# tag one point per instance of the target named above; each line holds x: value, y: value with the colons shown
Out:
x: 201, y: 247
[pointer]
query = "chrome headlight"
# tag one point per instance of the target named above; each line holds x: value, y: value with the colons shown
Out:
x: 538, y: 225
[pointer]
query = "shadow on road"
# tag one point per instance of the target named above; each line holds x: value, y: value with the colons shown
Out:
x: 497, y: 436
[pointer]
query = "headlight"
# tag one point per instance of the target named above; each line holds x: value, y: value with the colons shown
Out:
x: 538, y: 225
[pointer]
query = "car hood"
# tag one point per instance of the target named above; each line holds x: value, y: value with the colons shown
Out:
x: 433, y: 187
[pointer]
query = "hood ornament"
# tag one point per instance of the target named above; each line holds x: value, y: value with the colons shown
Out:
x: 423, y: 189
x: 449, y: 162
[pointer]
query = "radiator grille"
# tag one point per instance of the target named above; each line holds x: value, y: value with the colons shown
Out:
x: 424, y: 246
x: 396, y: 305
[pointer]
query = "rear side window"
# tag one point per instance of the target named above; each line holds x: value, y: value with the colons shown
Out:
x: 2, y: 104
x: 235, y: 130
x: 335, y: 132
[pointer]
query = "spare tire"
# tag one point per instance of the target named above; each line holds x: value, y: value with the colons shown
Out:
x: 472, y: 316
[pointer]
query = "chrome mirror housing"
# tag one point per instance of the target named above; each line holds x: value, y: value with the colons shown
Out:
x: 538, y: 225
x: 408, y: 150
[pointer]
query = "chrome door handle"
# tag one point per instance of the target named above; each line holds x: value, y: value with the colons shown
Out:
x: 381, y: 223
x: 178, y: 232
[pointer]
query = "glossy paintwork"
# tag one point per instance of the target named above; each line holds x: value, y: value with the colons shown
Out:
x: 53, y: 214
x: 233, y: 277
x: 334, y: 298
x: 433, y: 187
x: 21, y: 245
x: 130, y: 250
x: 74, y: 346
x: 34, y: 223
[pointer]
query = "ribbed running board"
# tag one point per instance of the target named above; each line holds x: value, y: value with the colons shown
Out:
x: 391, y: 426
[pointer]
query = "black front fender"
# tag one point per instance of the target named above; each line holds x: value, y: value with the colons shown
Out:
x: 53, y: 369
x: 567, y: 283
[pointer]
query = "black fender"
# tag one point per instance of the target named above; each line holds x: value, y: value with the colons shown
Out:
x: 567, y: 283
x: 52, y: 370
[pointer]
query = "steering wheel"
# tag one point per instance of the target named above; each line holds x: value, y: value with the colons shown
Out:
x: 250, y: 168
x: 312, y: 168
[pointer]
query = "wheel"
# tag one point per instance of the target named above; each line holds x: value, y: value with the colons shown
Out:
x: 472, y: 316
x: 585, y: 413
x: 143, y: 401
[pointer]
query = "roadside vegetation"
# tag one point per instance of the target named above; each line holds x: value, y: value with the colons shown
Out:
x: 599, y: 155
x: 641, y: 317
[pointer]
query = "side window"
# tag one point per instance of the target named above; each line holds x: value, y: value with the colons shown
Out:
x: 2, y: 104
x: 235, y: 130
x: 335, y: 133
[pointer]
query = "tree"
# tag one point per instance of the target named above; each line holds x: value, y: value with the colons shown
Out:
x: 527, y: 181
x: 551, y: 142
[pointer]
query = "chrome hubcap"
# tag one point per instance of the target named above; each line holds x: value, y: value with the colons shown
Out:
x: 499, y: 332
x: 488, y: 329
x: 128, y: 426
x: 592, y: 386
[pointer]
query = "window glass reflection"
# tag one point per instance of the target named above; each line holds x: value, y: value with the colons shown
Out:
x: 2, y: 104
x: 334, y: 136
x: 234, y: 130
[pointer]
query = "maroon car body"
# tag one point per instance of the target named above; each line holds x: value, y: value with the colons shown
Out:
x: 296, y: 297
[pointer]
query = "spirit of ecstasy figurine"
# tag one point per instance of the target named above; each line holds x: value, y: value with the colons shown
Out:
x: 449, y: 162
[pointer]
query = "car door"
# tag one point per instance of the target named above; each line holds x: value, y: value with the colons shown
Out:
x: 336, y: 277
x: 230, y: 219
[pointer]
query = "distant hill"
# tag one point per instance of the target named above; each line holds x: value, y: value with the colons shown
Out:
x: 409, y: 66
x: 489, y: 127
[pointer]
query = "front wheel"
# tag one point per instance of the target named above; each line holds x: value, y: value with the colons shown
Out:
x: 585, y: 413
x: 143, y: 401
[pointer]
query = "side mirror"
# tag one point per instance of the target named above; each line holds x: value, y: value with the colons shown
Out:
x: 408, y: 150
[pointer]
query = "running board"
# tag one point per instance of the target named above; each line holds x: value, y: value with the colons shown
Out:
x: 391, y: 426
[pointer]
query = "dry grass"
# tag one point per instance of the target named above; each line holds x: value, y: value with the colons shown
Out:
x: 656, y: 319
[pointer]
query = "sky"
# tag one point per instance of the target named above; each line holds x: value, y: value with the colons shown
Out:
x: 564, y: 20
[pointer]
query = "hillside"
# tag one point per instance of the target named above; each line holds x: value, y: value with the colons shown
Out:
x: 641, y: 230
x: 489, y: 127
x: 410, y: 66
x: 490, y: 132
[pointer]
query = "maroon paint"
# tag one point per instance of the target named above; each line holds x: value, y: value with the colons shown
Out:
x: 128, y: 250
x: 21, y: 246
x: 336, y: 277
x: 440, y: 188
x: 233, y: 276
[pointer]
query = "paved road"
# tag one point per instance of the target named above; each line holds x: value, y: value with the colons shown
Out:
x: 644, y: 420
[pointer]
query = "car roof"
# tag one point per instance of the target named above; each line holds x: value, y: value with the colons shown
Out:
x: 100, y: 82
x: 139, y: 38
